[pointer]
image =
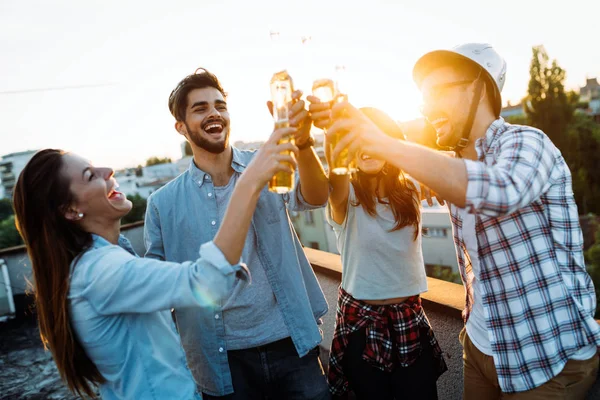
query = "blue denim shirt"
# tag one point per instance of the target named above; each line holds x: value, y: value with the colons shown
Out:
x: 182, y: 215
x: 119, y: 305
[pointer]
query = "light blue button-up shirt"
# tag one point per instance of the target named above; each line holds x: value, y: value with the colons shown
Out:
x: 183, y: 215
x: 120, y: 304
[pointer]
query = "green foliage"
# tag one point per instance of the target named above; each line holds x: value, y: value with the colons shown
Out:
x: 6, y: 209
x: 444, y: 273
x: 517, y: 120
x: 188, y: 149
x: 581, y: 154
x: 549, y: 108
x: 137, y: 211
x: 547, y: 105
x: 9, y: 236
x: 593, y: 268
x: 157, y: 160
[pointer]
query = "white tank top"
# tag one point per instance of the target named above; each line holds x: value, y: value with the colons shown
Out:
x: 378, y: 264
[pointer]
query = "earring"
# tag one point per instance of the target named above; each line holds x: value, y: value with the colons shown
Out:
x: 80, y: 215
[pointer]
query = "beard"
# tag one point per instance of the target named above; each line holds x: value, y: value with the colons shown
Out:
x: 203, y: 143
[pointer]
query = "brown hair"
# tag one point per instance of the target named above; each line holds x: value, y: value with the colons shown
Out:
x: 401, y: 192
x: 41, y: 197
x: 200, y: 79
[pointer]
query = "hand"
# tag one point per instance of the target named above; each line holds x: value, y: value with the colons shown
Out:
x: 429, y: 194
x: 358, y: 133
x: 299, y: 117
x: 272, y: 158
x: 320, y: 112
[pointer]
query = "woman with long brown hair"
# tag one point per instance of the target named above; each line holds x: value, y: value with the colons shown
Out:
x: 383, y: 345
x: 104, y: 312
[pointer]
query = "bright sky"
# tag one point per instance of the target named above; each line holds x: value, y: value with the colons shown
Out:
x: 138, y: 52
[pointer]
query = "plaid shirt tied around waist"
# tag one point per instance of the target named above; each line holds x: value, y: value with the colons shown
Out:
x: 408, y: 322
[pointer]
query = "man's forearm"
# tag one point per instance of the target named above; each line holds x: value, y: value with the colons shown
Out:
x: 313, y: 181
x: 445, y: 175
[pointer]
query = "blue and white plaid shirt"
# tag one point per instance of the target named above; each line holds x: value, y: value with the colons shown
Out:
x: 538, y: 299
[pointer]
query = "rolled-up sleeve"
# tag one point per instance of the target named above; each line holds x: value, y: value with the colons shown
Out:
x: 521, y: 174
x: 296, y: 202
x: 119, y: 282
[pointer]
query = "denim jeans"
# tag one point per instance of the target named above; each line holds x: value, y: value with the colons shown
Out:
x: 274, y: 371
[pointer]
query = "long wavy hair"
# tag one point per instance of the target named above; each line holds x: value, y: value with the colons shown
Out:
x: 41, y: 198
x: 402, y: 195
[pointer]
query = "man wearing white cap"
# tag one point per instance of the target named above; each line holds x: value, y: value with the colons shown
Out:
x: 529, y: 315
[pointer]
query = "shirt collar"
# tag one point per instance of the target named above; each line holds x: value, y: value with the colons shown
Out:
x: 99, y: 241
x: 483, y: 144
x: 200, y: 176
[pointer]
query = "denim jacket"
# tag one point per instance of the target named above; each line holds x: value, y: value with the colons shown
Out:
x: 119, y: 305
x: 182, y: 215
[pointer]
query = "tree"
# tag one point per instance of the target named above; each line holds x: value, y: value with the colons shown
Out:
x: 9, y: 236
x: 188, y: 149
x: 547, y: 105
x: 138, y: 210
x: 551, y: 109
x: 157, y: 160
x: 593, y: 268
x: 444, y: 273
x: 517, y: 120
x: 582, y: 155
x: 6, y: 209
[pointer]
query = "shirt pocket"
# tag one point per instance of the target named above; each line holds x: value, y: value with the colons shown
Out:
x: 270, y: 206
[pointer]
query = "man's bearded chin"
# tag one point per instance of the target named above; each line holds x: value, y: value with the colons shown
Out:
x: 211, y: 147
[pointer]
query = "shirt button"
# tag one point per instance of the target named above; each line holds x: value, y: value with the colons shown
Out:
x: 220, y: 349
x: 200, y: 182
x: 216, y: 316
x: 206, y: 177
x: 213, y: 223
x: 210, y: 195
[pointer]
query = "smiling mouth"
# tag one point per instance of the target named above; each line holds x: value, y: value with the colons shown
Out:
x: 213, y: 128
x: 438, y: 122
x: 114, y: 194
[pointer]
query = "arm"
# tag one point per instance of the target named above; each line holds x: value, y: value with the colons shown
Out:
x: 118, y: 282
x: 445, y: 175
x: 312, y: 187
x: 519, y: 177
x: 320, y: 113
x: 313, y: 184
x: 340, y: 190
x: 270, y: 159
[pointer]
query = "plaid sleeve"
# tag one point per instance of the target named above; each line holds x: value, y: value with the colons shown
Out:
x: 521, y: 173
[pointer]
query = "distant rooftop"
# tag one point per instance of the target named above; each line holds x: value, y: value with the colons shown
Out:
x: 19, y: 153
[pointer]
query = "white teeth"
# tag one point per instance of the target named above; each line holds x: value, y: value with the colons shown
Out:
x: 211, y: 126
x: 438, y: 121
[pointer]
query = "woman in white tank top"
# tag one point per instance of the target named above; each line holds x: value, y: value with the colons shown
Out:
x: 383, y: 345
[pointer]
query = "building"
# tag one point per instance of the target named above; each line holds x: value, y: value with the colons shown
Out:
x: 512, y: 111
x: 590, y: 94
x: 11, y: 166
x: 314, y: 231
x: 145, y: 180
x: 438, y: 243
